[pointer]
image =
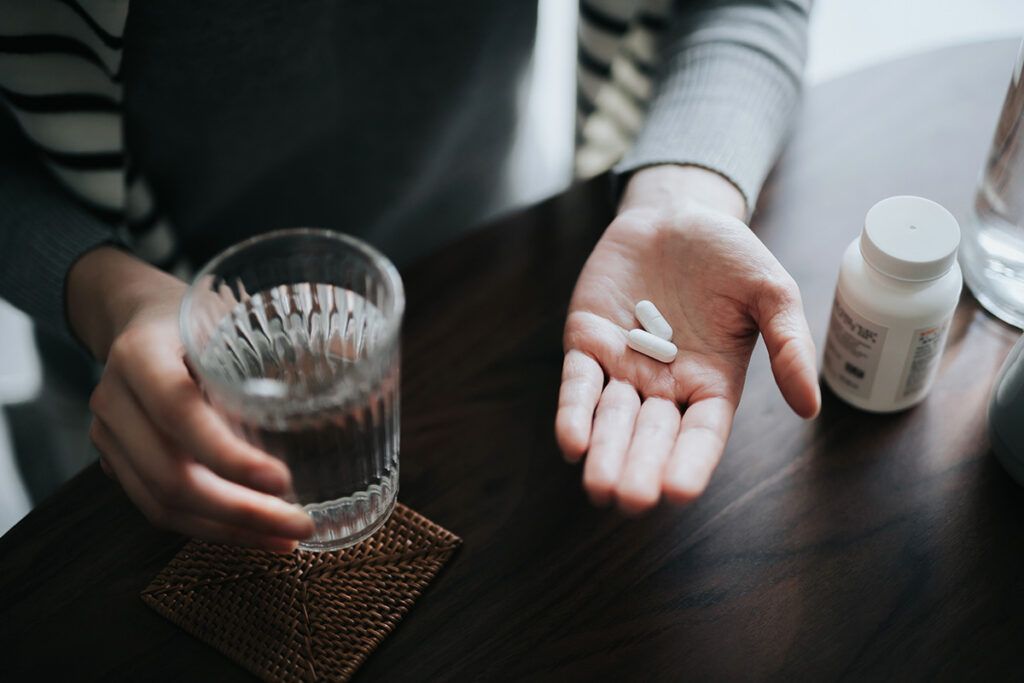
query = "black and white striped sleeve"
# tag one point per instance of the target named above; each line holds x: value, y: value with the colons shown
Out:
x: 43, y: 231
x: 62, y: 162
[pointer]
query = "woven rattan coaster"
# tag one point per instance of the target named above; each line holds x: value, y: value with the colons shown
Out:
x: 304, y: 616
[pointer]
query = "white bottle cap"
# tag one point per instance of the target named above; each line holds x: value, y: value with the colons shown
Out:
x: 910, y: 238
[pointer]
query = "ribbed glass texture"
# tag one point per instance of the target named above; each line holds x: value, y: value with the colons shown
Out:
x: 294, y: 338
x: 992, y: 248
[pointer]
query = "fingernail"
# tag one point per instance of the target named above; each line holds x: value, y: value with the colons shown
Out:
x: 282, y: 548
x: 300, y: 525
x: 817, y: 402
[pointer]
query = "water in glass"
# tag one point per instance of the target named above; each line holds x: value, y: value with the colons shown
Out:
x: 992, y: 250
x: 299, y: 354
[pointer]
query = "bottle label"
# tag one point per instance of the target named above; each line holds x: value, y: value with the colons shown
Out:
x: 923, y: 359
x: 853, y: 349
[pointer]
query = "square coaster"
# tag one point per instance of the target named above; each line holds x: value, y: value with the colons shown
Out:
x: 304, y: 616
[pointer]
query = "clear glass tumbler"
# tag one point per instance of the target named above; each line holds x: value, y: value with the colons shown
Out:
x: 992, y: 249
x: 294, y: 338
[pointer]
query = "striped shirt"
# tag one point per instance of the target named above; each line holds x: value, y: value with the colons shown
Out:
x: 706, y: 83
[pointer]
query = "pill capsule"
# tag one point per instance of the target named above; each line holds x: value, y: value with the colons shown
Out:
x: 652, y: 320
x: 649, y: 345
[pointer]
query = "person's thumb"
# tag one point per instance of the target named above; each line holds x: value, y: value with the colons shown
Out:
x: 780, y: 316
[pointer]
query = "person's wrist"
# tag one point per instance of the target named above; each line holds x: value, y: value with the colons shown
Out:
x: 106, y: 288
x: 674, y: 188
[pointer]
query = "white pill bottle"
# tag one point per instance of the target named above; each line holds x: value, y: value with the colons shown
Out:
x: 899, y: 283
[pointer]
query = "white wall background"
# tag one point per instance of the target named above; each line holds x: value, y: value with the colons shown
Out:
x: 846, y: 35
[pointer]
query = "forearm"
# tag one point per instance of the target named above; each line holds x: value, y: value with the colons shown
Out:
x: 727, y: 91
x: 106, y: 288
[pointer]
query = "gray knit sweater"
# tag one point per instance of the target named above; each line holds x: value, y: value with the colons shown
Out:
x: 387, y: 119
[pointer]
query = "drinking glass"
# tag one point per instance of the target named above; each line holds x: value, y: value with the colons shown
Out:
x: 293, y: 337
x: 992, y: 250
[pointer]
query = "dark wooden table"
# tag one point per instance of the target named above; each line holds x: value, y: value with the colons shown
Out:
x: 854, y: 546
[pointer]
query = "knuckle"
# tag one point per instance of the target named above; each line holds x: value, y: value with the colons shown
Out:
x: 107, y: 468
x: 122, y: 350
x: 97, y: 435
x: 134, y: 337
x: 178, y: 402
x: 778, y: 290
x: 574, y: 337
x: 787, y: 289
x: 99, y: 401
x: 788, y: 352
x: 779, y: 293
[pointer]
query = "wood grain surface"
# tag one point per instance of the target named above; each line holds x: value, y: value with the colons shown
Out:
x: 854, y: 546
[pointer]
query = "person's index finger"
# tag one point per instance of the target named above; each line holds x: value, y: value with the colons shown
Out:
x: 698, y: 449
x: 205, y: 436
x: 173, y: 401
x: 582, y: 381
x: 227, y: 502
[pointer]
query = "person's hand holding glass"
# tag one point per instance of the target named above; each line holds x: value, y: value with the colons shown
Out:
x: 294, y: 338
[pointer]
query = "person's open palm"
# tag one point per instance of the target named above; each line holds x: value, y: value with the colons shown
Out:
x: 650, y: 428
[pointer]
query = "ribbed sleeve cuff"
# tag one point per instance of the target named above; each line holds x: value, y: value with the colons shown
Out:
x: 60, y: 235
x: 721, y: 106
x: 43, y: 231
